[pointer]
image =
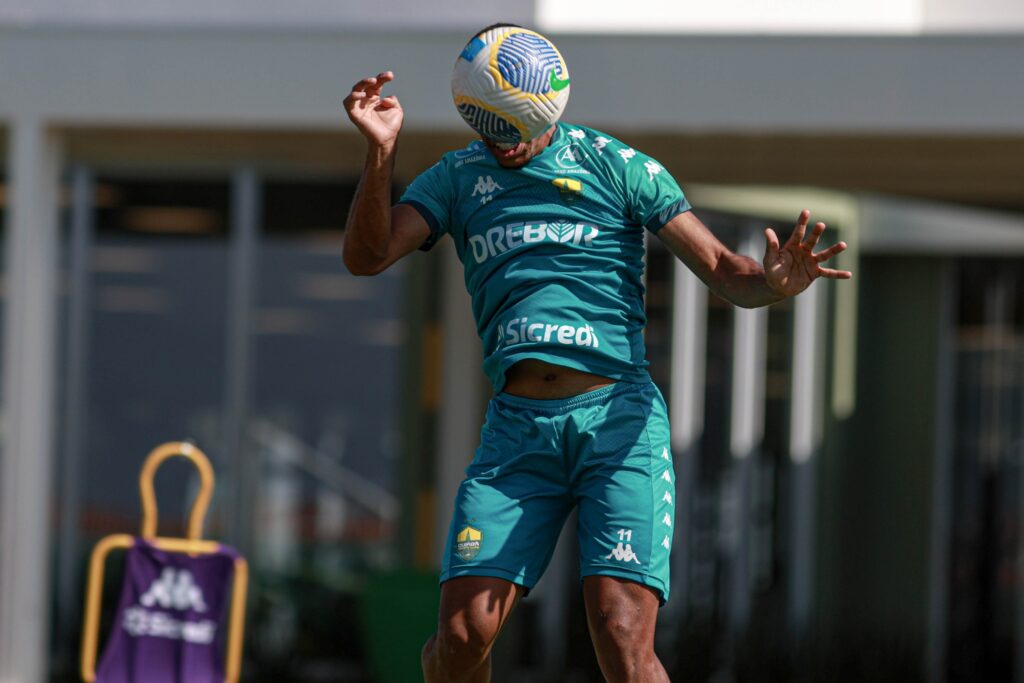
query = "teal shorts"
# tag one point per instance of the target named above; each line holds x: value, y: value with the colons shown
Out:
x: 606, y: 452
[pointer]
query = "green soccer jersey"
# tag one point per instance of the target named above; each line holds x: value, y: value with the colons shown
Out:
x: 553, y: 251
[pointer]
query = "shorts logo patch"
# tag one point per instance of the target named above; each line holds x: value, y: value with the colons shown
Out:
x: 468, y: 543
x: 623, y: 552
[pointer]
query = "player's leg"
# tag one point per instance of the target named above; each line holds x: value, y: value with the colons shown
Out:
x: 621, y: 615
x: 508, y: 514
x: 626, y: 511
x: 473, y: 611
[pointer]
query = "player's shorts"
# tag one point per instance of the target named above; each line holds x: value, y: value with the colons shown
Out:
x: 606, y: 451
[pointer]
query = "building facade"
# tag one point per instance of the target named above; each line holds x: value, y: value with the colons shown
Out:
x: 175, y: 185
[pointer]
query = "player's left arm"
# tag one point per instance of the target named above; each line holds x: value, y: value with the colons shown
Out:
x: 786, y: 270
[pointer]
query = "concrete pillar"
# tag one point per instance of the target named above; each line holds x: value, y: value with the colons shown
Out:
x: 937, y: 628
x: 805, y: 432
x: 246, y: 475
x: 746, y: 431
x: 73, y: 433
x: 29, y: 367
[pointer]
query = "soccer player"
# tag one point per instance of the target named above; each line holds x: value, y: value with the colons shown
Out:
x: 550, y: 232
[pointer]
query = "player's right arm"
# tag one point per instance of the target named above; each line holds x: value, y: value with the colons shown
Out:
x: 377, y: 234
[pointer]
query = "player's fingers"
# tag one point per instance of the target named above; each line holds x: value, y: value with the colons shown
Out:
x: 835, y: 274
x: 373, y: 84
x: 812, y: 239
x: 826, y: 254
x: 771, y: 249
x: 798, y: 231
x: 363, y: 84
x: 390, y: 102
x: 370, y: 85
x: 358, y: 102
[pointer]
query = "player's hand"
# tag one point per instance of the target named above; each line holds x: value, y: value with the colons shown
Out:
x: 378, y: 118
x: 791, y: 268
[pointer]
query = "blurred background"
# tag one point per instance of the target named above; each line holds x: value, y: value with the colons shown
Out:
x: 174, y: 180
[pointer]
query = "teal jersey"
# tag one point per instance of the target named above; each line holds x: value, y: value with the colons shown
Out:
x: 553, y: 252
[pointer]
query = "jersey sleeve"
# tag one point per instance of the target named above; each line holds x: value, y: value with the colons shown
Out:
x: 432, y: 196
x: 654, y: 197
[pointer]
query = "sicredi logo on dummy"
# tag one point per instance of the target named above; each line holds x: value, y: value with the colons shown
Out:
x: 504, y: 238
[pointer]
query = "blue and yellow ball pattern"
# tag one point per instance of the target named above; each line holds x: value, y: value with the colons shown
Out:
x: 510, y: 84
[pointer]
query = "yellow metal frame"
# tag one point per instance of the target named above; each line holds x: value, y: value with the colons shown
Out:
x: 194, y: 544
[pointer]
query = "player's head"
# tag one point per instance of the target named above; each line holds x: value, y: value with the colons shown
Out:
x: 510, y: 84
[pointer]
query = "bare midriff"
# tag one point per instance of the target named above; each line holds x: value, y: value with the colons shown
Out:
x: 532, y: 378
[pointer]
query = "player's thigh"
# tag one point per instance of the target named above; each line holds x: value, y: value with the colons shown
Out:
x: 511, y: 506
x: 627, y: 492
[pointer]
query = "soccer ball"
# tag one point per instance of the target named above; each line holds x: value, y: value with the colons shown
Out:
x: 510, y: 84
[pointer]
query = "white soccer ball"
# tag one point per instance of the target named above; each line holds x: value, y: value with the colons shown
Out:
x: 510, y: 84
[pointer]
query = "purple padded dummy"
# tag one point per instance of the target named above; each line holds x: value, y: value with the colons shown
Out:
x: 171, y: 620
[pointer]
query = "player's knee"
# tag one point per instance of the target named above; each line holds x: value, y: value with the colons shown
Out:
x: 620, y: 635
x: 463, y: 641
x: 616, y: 629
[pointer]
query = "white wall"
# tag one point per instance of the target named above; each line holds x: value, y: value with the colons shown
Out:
x: 348, y: 14
x: 733, y: 16
x: 825, y: 17
x: 603, y: 16
x: 996, y: 16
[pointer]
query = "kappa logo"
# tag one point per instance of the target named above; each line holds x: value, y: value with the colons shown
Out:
x: 468, y: 543
x: 600, y: 142
x: 653, y: 169
x: 665, y: 543
x: 627, y: 154
x: 175, y: 589
x: 486, y: 187
x: 571, y: 156
x: 623, y: 552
